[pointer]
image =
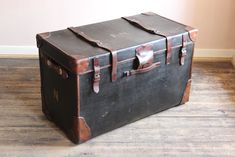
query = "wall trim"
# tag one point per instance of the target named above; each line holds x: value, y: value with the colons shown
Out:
x: 215, y: 55
x: 200, y: 54
x: 18, y: 51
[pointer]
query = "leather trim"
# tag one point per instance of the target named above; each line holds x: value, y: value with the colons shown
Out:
x: 191, y: 66
x: 186, y: 92
x: 84, y: 130
x: 168, y: 49
x: 81, y: 131
x: 193, y: 33
x: 76, y: 121
x: 45, y: 35
x: 75, y: 63
x: 41, y: 36
x: 99, y: 44
x: 114, y: 66
x: 81, y: 66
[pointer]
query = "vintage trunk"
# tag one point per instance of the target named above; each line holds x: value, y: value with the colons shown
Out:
x: 99, y: 77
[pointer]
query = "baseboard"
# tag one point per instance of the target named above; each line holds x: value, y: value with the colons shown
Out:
x: 199, y: 55
x: 18, y: 51
x: 215, y: 55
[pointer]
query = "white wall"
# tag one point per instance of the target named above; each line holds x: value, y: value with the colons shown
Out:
x: 20, y: 20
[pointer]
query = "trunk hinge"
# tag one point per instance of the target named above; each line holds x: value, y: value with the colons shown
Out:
x: 183, y: 51
x: 96, y: 79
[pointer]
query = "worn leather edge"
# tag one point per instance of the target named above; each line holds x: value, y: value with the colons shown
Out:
x: 41, y: 36
x: 193, y: 33
x: 186, y: 92
x: 81, y: 66
x: 81, y: 130
x: 77, y: 64
x: 84, y: 130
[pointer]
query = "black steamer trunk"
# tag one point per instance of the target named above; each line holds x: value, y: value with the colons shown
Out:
x: 99, y: 77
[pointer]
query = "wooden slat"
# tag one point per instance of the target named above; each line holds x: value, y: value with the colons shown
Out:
x: 203, y: 127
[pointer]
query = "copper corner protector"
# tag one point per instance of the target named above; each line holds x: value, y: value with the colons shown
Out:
x: 186, y: 92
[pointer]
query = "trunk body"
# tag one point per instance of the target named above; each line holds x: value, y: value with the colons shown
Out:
x: 99, y: 77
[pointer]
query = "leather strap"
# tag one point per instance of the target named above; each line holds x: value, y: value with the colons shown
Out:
x: 96, y: 79
x: 168, y: 49
x: 142, y: 26
x: 153, y: 31
x: 99, y: 44
x: 114, y: 66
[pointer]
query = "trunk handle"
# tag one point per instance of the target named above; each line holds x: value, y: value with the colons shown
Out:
x: 145, y: 58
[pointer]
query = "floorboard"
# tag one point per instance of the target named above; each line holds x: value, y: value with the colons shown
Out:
x: 203, y: 127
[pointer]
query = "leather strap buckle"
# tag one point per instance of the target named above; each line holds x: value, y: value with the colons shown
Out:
x: 183, y: 51
x: 99, y: 44
x: 96, y: 79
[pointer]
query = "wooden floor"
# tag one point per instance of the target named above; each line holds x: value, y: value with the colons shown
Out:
x: 203, y: 127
